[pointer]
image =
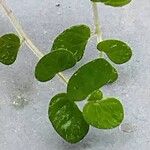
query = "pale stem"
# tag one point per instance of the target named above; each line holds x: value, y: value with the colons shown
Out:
x: 97, y: 25
x: 23, y: 36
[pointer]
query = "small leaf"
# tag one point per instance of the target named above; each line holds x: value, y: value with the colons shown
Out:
x: 9, y: 47
x: 96, y: 95
x: 114, y: 75
x: 74, y: 40
x: 90, y: 77
x: 67, y: 119
x: 114, y: 3
x: 117, y: 51
x: 53, y: 63
x: 104, y: 114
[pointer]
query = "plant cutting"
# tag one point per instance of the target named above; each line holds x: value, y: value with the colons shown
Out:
x: 68, y: 48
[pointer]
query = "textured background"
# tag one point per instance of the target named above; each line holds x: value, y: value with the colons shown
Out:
x: 24, y: 124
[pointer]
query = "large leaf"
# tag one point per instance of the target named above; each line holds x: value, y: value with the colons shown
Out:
x: 117, y: 51
x: 67, y: 119
x: 89, y: 78
x: 114, y: 3
x: 9, y: 46
x: 104, y: 114
x: 73, y: 39
x: 53, y: 63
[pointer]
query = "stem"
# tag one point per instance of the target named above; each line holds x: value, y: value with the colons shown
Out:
x: 97, y: 22
x: 23, y: 36
x: 96, y: 19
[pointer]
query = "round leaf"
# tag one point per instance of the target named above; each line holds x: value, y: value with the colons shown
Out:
x: 89, y: 78
x: 67, y: 119
x: 74, y: 40
x: 53, y: 63
x: 114, y: 3
x: 96, y: 95
x: 117, y: 51
x: 104, y: 114
x: 9, y: 47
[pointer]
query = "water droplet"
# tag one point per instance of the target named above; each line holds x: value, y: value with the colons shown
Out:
x: 127, y: 127
x: 20, y: 102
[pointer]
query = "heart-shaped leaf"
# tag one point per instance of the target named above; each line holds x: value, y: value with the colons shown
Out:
x: 114, y: 3
x: 89, y: 78
x: 117, y: 51
x: 74, y: 40
x: 104, y: 114
x: 96, y: 95
x: 9, y: 47
x: 67, y: 119
x: 53, y: 63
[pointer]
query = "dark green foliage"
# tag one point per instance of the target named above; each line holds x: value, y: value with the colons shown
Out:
x: 9, y: 47
x: 67, y: 119
x: 74, y: 40
x: 117, y: 51
x: 53, y: 63
x: 89, y: 78
x: 68, y: 48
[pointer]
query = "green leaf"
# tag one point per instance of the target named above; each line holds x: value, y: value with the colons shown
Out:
x: 96, y: 95
x: 117, y: 51
x: 53, y: 63
x: 104, y: 114
x: 114, y: 3
x: 67, y: 119
x: 9, y: 47
x: 114, y: 75
x: 74, y: 40
x: 90, y: 77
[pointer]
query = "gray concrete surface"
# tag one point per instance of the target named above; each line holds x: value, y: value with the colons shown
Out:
x: 24, y: 124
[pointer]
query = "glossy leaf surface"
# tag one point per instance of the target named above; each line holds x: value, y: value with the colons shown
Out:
x: 89, y: 78
x: 117, y: 51
x: 53, y: 63
x: 67, y: 119
x: 9, y: 47
x: 104, y: 114
x: 74, y: 40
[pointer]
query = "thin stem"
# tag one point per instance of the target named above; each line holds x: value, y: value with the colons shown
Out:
x: 97, y: 25
x: 23, y: 36
x: 97, y: 22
